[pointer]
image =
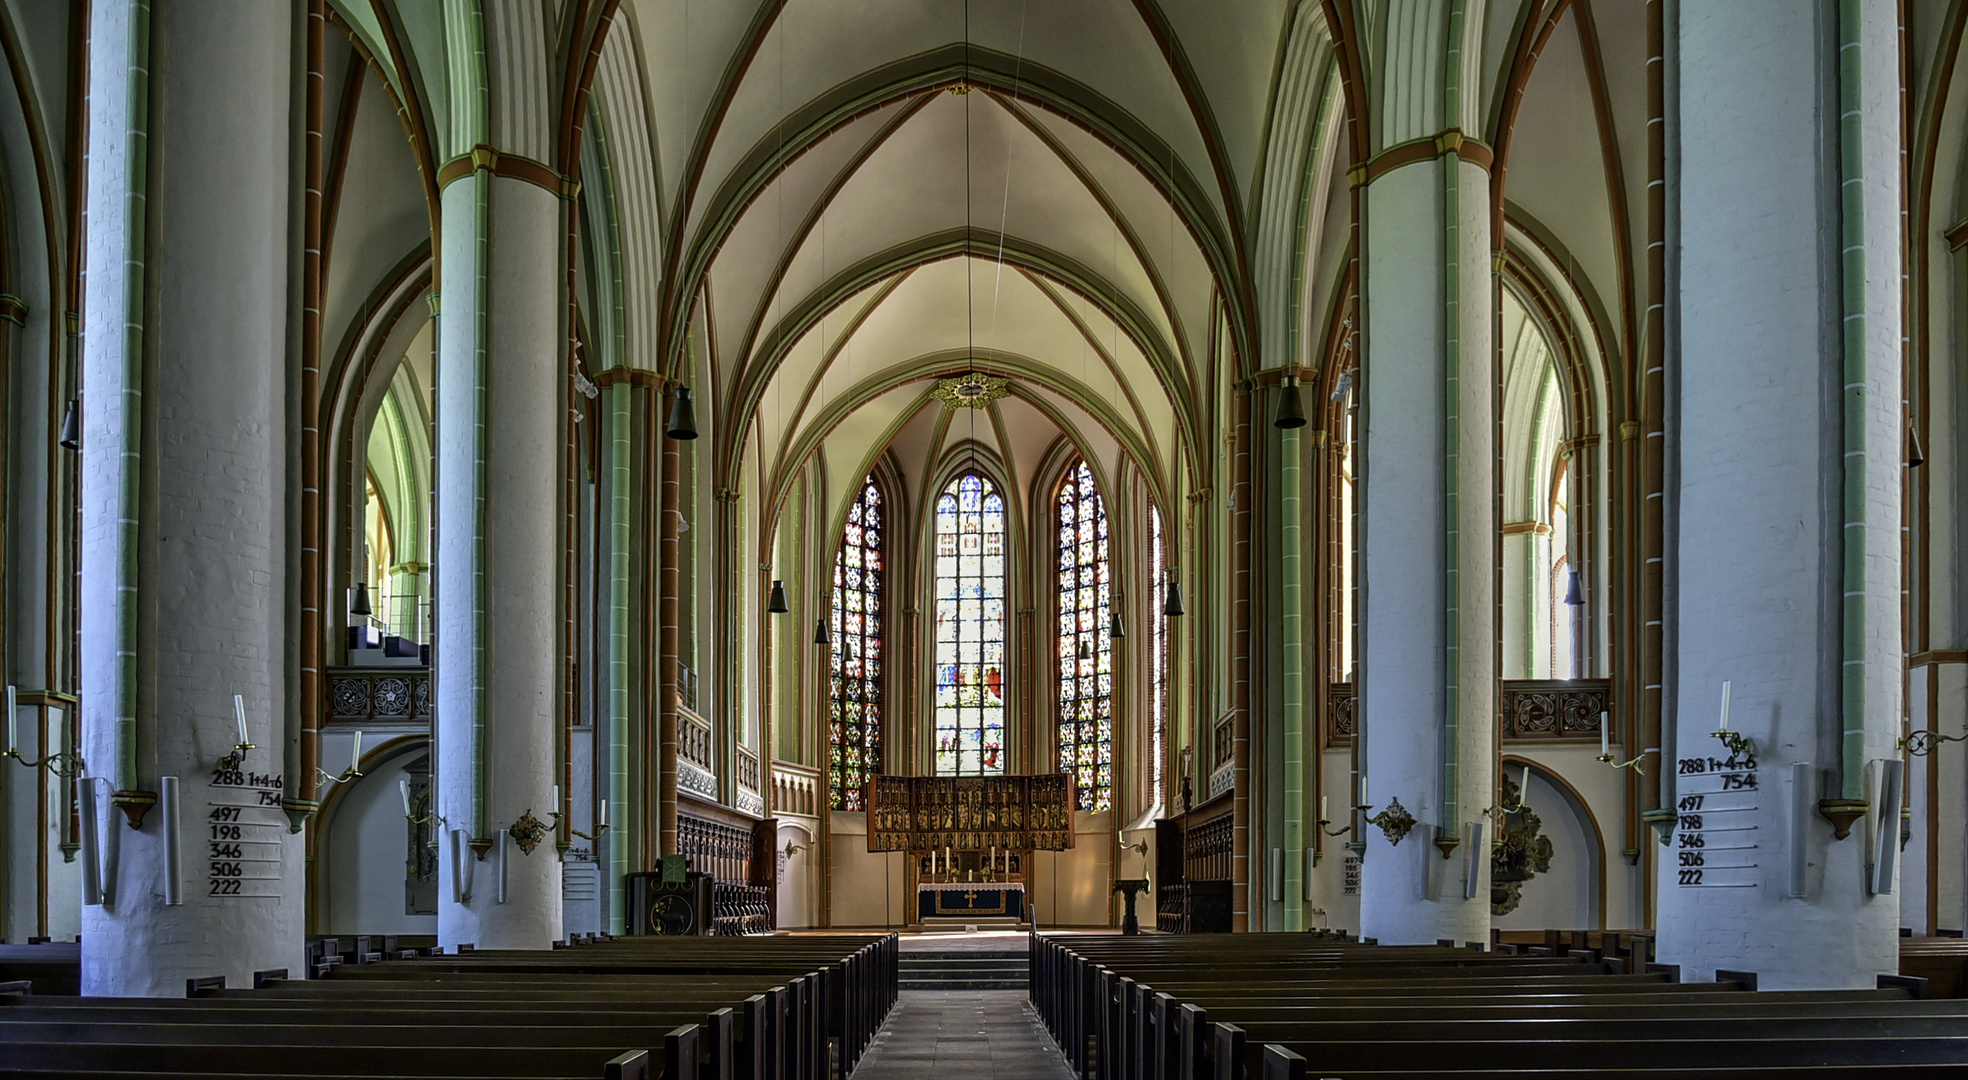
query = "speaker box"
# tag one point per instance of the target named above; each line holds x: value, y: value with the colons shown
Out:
x: 668, y: 909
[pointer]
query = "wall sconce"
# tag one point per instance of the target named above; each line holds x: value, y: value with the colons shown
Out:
x: 238, y: 756
x: 1504, y: 807
x: 1738, y: 745
x: 1918, y: 744
x: 1325, y: 822
x: 61, y: 762
x: 1606, y: 739
x: 601, y: 823
x: 351, y: 773
x: 410, y: 814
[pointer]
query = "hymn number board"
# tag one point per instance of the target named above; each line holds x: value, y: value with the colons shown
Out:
x: 242, y: 827
x: 1715, y: 835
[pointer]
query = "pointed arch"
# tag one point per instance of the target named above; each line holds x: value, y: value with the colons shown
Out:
x: 1084, y: 651
x: 855, y: 680
x: 971, y: 583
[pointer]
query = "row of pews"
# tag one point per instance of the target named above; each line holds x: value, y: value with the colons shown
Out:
x: 1285, y: 1007
x: 676, y: 1008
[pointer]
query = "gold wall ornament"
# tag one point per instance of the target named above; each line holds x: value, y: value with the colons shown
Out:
x: 1395, y: 822
x: 527, y: 832
x: 971, y: 391
x: 1521, y: 852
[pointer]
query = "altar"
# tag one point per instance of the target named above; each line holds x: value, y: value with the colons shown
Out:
x: 976, y: 898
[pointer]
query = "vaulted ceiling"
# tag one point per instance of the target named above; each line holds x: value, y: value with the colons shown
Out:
x: 1121, y: 206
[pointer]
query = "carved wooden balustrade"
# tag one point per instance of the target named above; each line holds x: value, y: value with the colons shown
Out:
x: 386, y: 694
x: 1533, y: 710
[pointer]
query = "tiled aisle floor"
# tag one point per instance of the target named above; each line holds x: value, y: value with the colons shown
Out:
x: 963, y: 1035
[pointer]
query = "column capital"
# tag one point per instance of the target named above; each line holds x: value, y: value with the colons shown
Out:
x: 1448, y: 141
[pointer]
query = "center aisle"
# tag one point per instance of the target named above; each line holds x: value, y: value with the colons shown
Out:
x: 963, y: 1035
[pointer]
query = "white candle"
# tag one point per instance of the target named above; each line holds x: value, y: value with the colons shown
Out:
x: 1523, y: 781
x: 1725, y: 706
x: 13, y: 738
x: 239, y: 714
x: 603, y: 821
x: 1605, y: 735
x: 405, y: 786
x: 556, y: 798
x: 1325, y: 802
x: 1363, y: 790
x: 355, y: 753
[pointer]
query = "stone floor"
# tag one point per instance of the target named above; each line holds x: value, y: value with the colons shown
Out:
x: 963, y: 1035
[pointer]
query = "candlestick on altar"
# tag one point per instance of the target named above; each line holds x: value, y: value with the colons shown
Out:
x: 1725, y: 706
x: 239, y: 716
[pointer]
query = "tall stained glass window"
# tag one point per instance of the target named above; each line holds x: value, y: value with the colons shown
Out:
x: 857, y: 654
x: 970, y: 628
x: 1158, y: 653
x: 1085, y: 651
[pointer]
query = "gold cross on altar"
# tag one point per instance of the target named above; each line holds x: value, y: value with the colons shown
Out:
x: 971, y: 896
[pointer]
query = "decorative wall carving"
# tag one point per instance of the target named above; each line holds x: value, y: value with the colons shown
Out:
x: 1532, y: 710
x: 1522, y: 852
x: 387, y: 694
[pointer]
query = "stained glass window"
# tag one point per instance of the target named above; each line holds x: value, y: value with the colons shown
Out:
x: 857, y: 653
x: 970, y: 628
x: 1086, y: 652
x: 1158, y: 656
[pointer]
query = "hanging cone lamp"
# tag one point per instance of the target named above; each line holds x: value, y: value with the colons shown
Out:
x: 1173, y: 605
x: 1114, y: 628
x: 71, y: 429
x: 683, y: 416
x: 360, y: 605
x: 777, y: 605
x: 1291, y: 406
x: 820, y: 631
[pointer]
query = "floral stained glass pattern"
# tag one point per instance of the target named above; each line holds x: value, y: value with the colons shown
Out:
x: 970, y: 628
x: 1158, y: 656
x: 856, y: 678
x: 1085, y: 650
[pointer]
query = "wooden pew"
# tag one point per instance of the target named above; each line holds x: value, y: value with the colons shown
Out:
x: 689, y: 1010
x: 1276, y: 1005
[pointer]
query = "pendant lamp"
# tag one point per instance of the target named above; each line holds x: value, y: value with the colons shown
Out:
x: 1291, y: 410
x: 1173, y: 605
x: 683, y: 416
x: 1114, y: 628
x: 820, y: 632
x: 777, y: 605
x: 360, y: 605
x: 71, y: 429
x: 1574, y: 591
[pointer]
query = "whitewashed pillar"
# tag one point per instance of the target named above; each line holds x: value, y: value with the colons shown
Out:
x: 1785, y: 573
x: 184, y: 489
x: 1428, y: 527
